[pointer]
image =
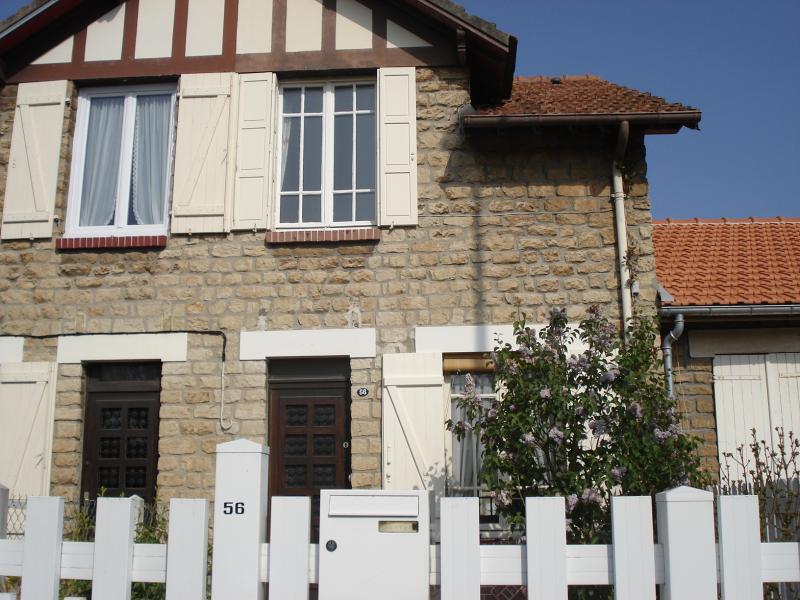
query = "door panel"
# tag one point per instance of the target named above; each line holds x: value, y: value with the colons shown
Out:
x: 309, y: 441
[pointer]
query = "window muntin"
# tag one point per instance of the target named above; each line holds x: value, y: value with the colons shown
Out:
x: 121, y: 161
x: 328, y: 155
x: 467, y: 453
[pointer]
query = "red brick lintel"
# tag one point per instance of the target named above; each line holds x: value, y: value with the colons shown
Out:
x: 362, y: 234
x: 100, y: 243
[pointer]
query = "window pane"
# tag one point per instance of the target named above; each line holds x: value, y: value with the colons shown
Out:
x: 365, y: 206
x: 150, y: 160
x: 342, y: 208
x: 291, y: 101
x: 290, y: 209
x: 291, y: 155
x: 312, y: 209
x: 313, y: 100
x: 312, y: 154
x: 344, y: 98
x: 343, y: 152
x: 101, y: 163
x: 365, y: 97
x: 365, y: 152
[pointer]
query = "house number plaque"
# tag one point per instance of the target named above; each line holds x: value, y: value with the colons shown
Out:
x: 361, y: 392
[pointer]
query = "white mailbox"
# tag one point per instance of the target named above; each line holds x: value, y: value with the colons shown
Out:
x: 374, y: 544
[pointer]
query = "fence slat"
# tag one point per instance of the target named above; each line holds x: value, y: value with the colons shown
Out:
x: 460, y: 547
x: 686, y: 531
x: 546, y: 538
x: 240, y: 520
x: 288, y: 547
x: 115, y: 534
x: 634, y: 558
x: 187, y: 549
x: 41, y: 567
x: 739, y: 547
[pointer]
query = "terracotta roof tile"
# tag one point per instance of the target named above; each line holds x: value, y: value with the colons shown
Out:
x: 578, y: 94
x: 729, y: 261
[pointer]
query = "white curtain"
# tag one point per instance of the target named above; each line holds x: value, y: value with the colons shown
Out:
x: 465, y: 456
x: 150, y: 149
x: 101, y: 163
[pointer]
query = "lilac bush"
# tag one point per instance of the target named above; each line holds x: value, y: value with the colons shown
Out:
x: 583, y: 426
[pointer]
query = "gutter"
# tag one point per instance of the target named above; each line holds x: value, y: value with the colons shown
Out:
x: 763, y: 310
x: 690, y: 119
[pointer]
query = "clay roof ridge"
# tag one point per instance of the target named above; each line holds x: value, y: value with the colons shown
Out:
x: 726, y: 221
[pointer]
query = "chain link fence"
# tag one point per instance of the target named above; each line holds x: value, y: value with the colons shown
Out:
x: 15, y: 519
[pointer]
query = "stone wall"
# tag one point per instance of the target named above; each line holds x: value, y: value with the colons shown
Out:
x: 694, y: 388
x: 510, y: 223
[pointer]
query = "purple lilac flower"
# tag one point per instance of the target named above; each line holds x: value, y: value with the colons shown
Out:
x: 502, y: 499
x: 635, y: 410
x: 598, y: 427
x: 505, y: 455
x: 589, y: 495
x: 556, y: 436
x: 579, y: 411
x: 512, y: 407
x: 662, y: 436
x: 528, y: 439
x: 572, y: 502
x: 545, y: 394
x: 617, y: 473
x: 524, y: 352
x: 609, y: 376
x: 491, y: 413
x: 675, y: 429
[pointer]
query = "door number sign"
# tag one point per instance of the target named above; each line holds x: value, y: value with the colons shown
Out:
x: 233, y: 508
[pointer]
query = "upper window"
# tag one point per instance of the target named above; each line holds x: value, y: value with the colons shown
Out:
x: 121, y: 161
x: 328, y: 156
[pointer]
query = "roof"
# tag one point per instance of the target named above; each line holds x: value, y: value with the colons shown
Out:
x: 729, y: 261
x: 581, y: 98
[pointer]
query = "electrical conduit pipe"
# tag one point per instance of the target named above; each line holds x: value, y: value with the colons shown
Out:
x: 621, y: 225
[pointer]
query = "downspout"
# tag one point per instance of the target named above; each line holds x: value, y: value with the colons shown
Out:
x: 621, y: 225
x: 666, y: 348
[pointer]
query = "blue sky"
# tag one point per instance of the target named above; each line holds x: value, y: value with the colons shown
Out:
x: 736, y: 60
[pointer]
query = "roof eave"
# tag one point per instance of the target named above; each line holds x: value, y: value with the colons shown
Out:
x: 661, y: 120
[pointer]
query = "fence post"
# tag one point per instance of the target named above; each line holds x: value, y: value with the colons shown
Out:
x: 187, y: 549
x: 288, y: 547
x: 546, y: 539
x: 240, y: 520
x: 686, y: 531
x: 739, y: 547
x: 634, y: 553
x: 115, y: 534
x: 460, y: 549
x: 41, y: 556
x: 3, y: 510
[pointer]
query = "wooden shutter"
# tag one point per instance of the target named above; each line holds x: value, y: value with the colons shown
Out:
x: 27, y: 398
x: 203, y: 153
x: 783, y: 371
x: 742, y: 403
x: 413, y: 422
x: 254, y: 151
x: 34, y: 159
x: 398, y: 145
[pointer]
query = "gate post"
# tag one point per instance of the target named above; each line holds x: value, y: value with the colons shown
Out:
x: 240, y: 520
x: 3, y: 510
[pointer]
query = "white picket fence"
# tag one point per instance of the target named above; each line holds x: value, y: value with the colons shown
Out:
x: 686, y: 562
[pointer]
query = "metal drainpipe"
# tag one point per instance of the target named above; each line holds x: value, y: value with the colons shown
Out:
x: 666, y: 348
x: 621, y: 225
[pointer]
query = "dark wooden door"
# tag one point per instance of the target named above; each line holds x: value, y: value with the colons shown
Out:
x: 309, y: 439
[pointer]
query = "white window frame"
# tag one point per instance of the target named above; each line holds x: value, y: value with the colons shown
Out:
x: 120, y: 227
x: 328, y: 119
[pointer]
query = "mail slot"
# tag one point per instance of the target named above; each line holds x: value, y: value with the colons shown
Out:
x: 374, y: 544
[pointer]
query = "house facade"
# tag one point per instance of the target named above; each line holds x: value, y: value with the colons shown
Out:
x: 734, y: 285
x: 298, y: 222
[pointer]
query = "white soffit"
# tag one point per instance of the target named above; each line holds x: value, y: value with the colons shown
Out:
x: 709, y: 343
x: 11, y: 349
x: 355, y: 343
x: 166, y: 347
x: 461, y: 338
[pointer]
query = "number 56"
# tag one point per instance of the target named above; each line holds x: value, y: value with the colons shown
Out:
x: 233, y: 508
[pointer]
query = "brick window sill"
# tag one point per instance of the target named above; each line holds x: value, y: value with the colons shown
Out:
x: 100, y: 243
x: 362, y: 234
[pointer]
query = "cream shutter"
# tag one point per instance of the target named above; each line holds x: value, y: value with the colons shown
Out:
x: 27, y: 399
x: 203, y: 167
x: 34, y: 159
x: 413, y: 422
x: 398, y: 145
x: 254, y: 150
x: 783, y: 371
